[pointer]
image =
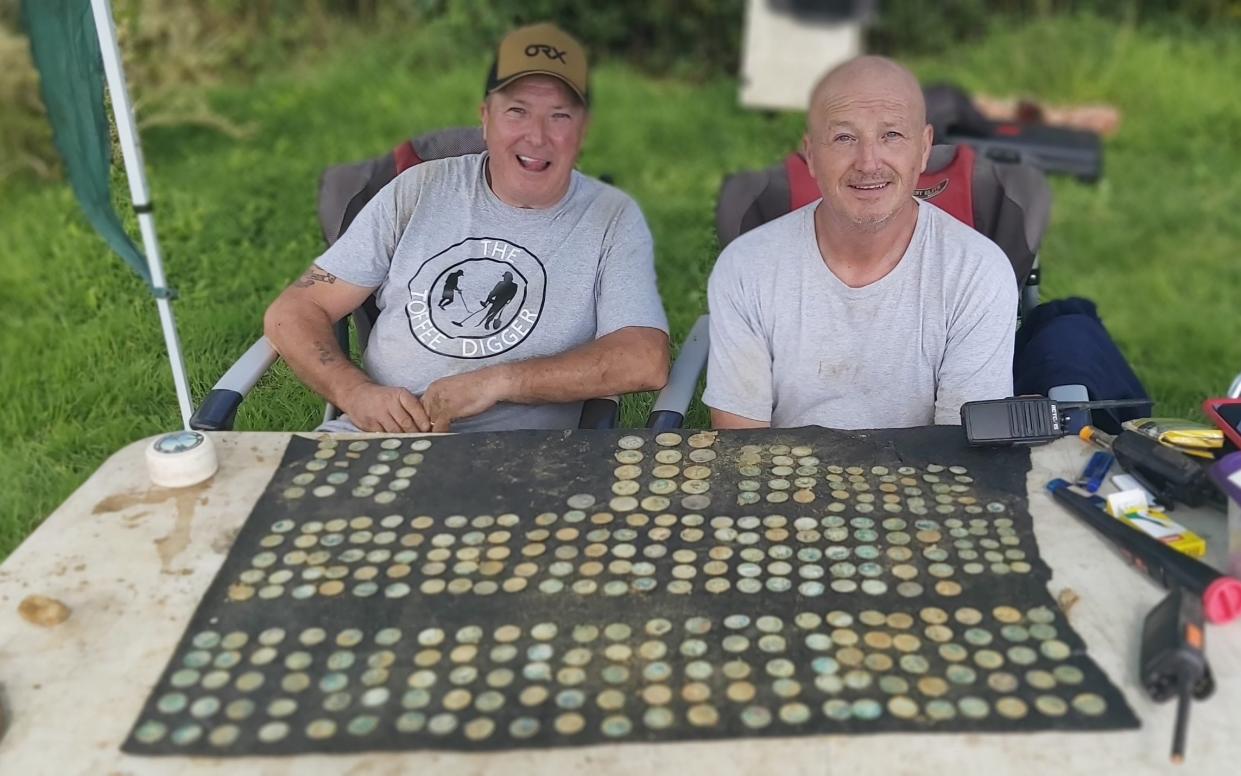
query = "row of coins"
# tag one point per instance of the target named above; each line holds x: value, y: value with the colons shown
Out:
x: 335, y: 468
x: 904, y: 491
x: 675, y: 474
x: 911, y: 665
x: 486, y: 554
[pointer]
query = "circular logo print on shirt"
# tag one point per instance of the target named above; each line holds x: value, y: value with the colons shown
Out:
x: 476, y: 299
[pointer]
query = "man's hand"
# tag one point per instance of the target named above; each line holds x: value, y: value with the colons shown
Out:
x: 463, y: 396
x: 385, y: 408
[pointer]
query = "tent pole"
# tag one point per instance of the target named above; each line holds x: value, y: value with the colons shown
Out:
x: 122, y: 109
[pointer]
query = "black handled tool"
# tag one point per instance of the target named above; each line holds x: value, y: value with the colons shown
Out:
x: 1173, y: 663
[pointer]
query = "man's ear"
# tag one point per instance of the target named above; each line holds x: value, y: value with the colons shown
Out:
x: 806, y: 152
x: 928, y: 137
x: 482, y: 117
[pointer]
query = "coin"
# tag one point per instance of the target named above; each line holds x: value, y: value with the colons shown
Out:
x: 569, y: 723
x: 973, y: 707
x: 902, y: 707
x: 702, y: 715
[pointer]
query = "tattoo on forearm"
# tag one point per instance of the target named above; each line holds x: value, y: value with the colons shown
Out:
x: 325, y: 353
x: 312, y: 276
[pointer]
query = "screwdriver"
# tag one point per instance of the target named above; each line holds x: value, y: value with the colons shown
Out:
x: 1168, y: 474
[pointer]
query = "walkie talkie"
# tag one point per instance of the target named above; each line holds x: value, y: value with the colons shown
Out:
x: 1025, y: 420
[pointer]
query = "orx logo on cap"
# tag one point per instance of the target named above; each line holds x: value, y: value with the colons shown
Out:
x: 540, y: 49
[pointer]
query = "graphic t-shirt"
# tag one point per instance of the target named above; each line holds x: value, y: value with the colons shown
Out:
x: 464, y: 280
x: 793, y: 345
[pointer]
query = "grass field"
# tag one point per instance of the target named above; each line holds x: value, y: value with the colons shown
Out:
x: 82, y: 368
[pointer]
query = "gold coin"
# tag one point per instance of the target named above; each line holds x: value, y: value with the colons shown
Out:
x: 479, y: 729
x: 900, y: 620
x: 610, y: 700
x: 668, y: 439
x: 850, y: 656
x: 332, y: 587
x: 968, y: 615
x: 703, y: 439
x: 695, y: 487
x: 741, y: 692
x: 988, y: 659
x: 906, y: 642
x: 244, y: 592
x: 695, y: 692
x: 877, y: 640
x: 625, y: 487
x: 628, y: 456
x: 1090, y: 704
x: 668, y: 456
x: 533, y: 695
x: 1051, y: 706
x: 1012, y: 708
x: 627, y: 472
x: 947, y: 587
x: 569, y: 723
x: 657, y: 694
x: 507, y: 633
x: 697, y: 472
x: 803, y: 496
x: 1006, y: 614
x: 456, y: 699
x: 665, y: 472
x: 933, y: 615
x: 872, y: 618
x: 702, y: 715
x: 662, y: 487
x: 932, y: 686
x: 651, y: 504
x: 902, y: 707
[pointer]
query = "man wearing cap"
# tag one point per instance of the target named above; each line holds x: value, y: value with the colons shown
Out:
x: 866, y: 308
x: 548, y: 273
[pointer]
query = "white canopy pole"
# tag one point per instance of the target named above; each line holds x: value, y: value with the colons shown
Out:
x: 122, y: 109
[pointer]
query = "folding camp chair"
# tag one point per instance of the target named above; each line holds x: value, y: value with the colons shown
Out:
x: 343, y: 191
x: 1054, y: 150
x: 1008, y: 202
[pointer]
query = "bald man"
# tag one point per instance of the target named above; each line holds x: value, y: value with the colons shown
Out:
x: 866, y: 308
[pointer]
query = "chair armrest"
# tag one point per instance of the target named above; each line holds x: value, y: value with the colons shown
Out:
x: 600, y: 413
x: 673, y: 401
x: 219, y: 408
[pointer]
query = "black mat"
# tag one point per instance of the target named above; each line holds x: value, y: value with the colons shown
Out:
x: 526, y: 590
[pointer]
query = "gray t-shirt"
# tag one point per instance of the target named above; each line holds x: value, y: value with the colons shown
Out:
x: 793, y: 345
x: 465, y: 280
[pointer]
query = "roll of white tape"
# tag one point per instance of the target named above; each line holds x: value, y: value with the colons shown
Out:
x: 181, y: 458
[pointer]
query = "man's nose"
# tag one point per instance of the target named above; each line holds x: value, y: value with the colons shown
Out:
x: 537, y: 132
x: 867, y: 159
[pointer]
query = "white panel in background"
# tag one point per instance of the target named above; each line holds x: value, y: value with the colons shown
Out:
x: 784, y: 54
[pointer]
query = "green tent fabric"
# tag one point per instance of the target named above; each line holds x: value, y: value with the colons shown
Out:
x: 66, y: 52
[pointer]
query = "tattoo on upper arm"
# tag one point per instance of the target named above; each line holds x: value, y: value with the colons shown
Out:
x: 325, y: 353
x: 314, y: 275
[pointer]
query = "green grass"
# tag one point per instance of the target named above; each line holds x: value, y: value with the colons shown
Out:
x: 81, y: 356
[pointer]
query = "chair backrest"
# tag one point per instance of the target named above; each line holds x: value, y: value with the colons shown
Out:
x: 345, y: 188
x: 1009, y: 203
